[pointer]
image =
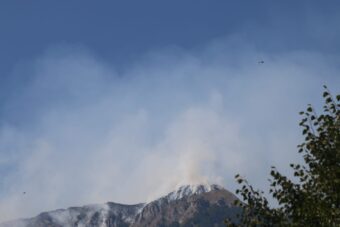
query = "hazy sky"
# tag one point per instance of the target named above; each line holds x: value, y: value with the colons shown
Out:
x: 125, y: 100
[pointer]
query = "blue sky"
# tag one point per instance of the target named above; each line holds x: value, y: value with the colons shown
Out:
x: 98, y: 97
x: 120, y: 30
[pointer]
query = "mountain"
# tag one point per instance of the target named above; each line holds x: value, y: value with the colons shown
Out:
x: 189, y: 205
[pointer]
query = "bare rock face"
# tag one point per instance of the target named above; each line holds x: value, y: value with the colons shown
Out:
x: 198, y: 205
x: 190, y: 205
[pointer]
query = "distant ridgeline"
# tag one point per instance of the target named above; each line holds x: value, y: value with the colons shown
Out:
x: 198, y: 205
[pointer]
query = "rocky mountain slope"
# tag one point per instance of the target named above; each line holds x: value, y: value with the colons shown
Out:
x: 189, y: 205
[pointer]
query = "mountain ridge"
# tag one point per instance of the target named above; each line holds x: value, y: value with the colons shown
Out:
x: 182, y: 207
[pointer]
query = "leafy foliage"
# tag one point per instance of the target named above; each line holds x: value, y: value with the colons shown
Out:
x: 313, y: 199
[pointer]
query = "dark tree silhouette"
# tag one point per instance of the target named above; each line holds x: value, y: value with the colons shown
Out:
x: 313, y: 198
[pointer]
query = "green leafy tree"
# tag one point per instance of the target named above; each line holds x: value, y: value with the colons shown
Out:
x: 313, y: 198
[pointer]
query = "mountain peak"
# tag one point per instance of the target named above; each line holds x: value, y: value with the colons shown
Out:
x: 193, y: 203
x: 192, y: 189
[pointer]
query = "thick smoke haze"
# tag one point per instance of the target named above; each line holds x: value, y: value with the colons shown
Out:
x: 77, y: 131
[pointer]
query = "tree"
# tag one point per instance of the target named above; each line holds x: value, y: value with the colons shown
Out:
x: 313, y: 197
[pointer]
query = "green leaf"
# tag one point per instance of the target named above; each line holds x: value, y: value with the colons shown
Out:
x: 314, y: 197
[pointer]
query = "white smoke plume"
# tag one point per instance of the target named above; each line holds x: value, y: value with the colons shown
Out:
x: 80, y: 132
